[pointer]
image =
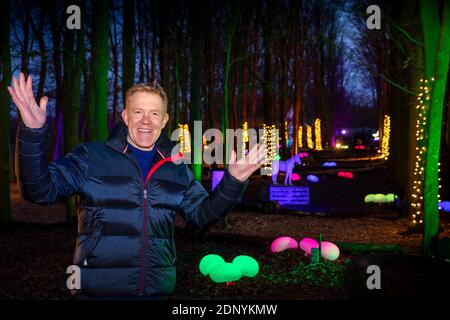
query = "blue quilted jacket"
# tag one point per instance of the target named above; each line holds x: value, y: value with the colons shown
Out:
x: 125, y: 245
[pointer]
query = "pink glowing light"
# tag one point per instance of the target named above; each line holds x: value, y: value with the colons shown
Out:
x: 345, y: 174
x: 295, y: 177
x: 283, y: 243
x: 303, y: 154
x: 306, y: 244
x: 330, y: 251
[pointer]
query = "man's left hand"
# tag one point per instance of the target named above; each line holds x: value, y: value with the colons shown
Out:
x: 243, y: 168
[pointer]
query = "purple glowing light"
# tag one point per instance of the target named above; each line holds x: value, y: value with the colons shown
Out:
x: 444, y: 206
x: 312, y: 178
x: 329, y: 164
x: 216, y: 177
x: 343, y: 131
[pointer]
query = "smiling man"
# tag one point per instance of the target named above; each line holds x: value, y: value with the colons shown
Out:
x: 130, y: 190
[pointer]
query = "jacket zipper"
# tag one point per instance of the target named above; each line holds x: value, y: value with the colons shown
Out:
x: 144, y: 245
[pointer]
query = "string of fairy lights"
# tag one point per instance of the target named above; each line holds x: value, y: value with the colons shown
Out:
x: 300, y: 137
x: 309, y: 141
x: 270, y: 139
x: 184, y: 137
x: 419, y: 167
x: 386, y: 136
x: 318, y: 134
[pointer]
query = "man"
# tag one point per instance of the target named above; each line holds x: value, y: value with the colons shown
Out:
x: 130, y: 191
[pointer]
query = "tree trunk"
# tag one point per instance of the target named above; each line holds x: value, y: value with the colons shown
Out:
x: 39, y: 35
x: 163, y: 12
x: 5, y: 80
x: 141, y: 41
x: 268, y: 31
x: 435, y: 114
x: 25, y: 54
x: 255, y: 59
x: 52, y: 9
x: 298, y: 119
x: 99, y: 70
x: 195, y: 15
x: 115, y: 56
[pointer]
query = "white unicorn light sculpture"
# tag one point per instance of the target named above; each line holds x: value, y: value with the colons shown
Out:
x: 285, y: 166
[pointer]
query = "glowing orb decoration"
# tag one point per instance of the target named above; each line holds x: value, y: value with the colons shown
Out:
x: 277, y: 157
x: 330, y: 251
x: 225, y: 272
x: 221, y: 271
x: 390, y: 197
x: 306, y: 244
x: 208, y: 262
x: 249, y: 267
x: 283, y: 243
x: 345, y: 174
x: 312, y: 178
x: 444, y: 206
x: 380, y: 198
x: 329, y: 164
x: 303, y: 154
x: 369, y: 198
x: 295, y: 177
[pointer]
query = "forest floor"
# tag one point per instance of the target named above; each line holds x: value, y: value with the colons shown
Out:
x: 36, y: 250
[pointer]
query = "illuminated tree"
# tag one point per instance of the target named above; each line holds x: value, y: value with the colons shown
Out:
x: 195, y: 14
x: 99, y: 70
x: 73, y: 61
x: 128, y: 48
x: 437, y: 52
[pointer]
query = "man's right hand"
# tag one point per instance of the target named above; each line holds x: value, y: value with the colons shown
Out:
x: 33, y: 115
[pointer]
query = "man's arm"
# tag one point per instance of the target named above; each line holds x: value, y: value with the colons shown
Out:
x: 203, y: 209
x: 42, y: 182
x: 39, y: 181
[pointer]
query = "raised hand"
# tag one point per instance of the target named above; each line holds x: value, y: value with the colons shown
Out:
x: 243, y: 168
x: 33, y: 115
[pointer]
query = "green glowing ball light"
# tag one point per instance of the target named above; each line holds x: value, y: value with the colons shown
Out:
x: 249, y: 267
x: 220, y: 271
x: 209, y: 262
x: 225, y: 272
